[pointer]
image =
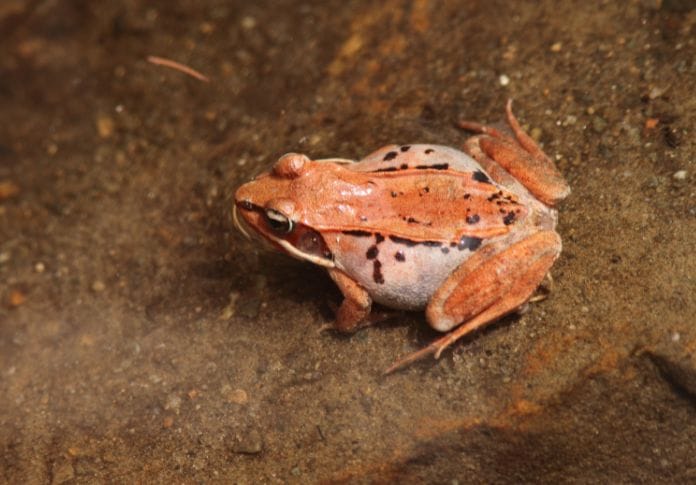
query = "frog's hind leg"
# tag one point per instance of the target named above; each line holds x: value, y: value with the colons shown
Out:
x: 492, y: 283
x: 522, y: 158
x: 472, y: 147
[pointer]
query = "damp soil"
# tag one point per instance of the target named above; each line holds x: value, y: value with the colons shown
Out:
x: 142, y: 338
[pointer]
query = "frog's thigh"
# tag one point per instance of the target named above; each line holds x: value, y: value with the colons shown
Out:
x: 488, y: 286
x: 355, y: 309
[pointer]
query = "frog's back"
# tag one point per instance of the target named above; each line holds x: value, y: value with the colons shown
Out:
x: 436, y: 207
x: 420, y: 192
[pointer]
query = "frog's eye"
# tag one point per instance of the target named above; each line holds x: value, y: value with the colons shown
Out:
x: 290, y: 165
x: 279, y: 223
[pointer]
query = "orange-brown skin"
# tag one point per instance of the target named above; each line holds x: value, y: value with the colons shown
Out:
x: 467, y: 237
x: 336, y: 197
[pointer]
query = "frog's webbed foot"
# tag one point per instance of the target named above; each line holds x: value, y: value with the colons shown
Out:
x: 373, y: 318
x: 486, y: 287
x: 519, y: 156
x: 435, y: 348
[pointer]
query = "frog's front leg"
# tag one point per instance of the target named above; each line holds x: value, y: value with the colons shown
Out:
x: 355, y: 311
x: 497, y: 280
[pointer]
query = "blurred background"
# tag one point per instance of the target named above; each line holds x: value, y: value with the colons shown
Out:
x: 142, y: 338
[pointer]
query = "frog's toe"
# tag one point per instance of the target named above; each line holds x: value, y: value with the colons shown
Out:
x: 414, y: 357
x: 543, y: 291
x: 326, y: 327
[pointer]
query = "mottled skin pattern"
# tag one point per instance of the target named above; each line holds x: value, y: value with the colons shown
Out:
x: 467, y: 236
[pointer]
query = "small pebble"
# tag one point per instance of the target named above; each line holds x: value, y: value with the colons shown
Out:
x: 8, y: 189
x: 98, y: 286
x: 39, y: 267
x: 248, y: 23
x: 651, y: 123
x: 62, y: 472
x: 4, y: 257
x: 105, y: 126
x: 238, y: 396
x: 168, y: 422
x: 570, y: 120
x: 598, y: 124
x: 679, y: 175
x: 503, y: 80
x: 248, y: 443
x: 556, y: 47
x: 87, y: 340
x: 173, y: 403
x: 151, y: 15
x: 17, y: 298
x: 656, y: 92
x: 535, y: 133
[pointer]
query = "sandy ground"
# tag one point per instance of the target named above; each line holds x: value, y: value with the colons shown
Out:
x: 142, y: 338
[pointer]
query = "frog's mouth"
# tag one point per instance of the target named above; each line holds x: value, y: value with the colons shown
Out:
x: 248, y: 231
x: 238, y: 224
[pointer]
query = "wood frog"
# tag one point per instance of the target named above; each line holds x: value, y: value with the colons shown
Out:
x: 466, y: 235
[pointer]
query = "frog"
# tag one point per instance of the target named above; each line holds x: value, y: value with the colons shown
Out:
x: 465, y: 234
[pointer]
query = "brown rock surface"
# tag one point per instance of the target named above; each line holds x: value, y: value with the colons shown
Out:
x: 595, y: 384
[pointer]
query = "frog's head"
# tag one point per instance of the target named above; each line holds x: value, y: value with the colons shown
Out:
x: 268, y: 206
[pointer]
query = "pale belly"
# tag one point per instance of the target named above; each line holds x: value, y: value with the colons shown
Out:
x: 398, y: 273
